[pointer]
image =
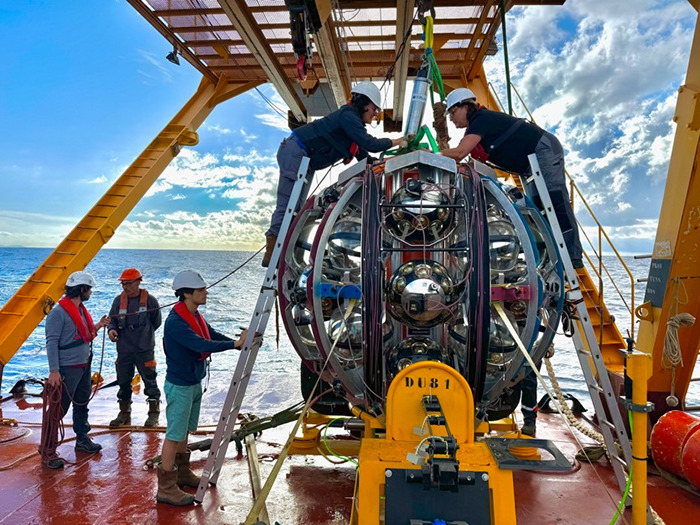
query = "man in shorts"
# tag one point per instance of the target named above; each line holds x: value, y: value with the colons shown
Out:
x: 188, y: 340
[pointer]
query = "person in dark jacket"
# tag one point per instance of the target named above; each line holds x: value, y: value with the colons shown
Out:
x: 188, y: 340
x: 134, y: 319
x: 339, y: 135
x: 506, y: 142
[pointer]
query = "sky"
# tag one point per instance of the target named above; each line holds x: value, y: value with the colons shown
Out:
x: 85, y: 86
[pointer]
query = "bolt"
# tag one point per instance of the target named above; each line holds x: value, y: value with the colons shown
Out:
x: 485, y: 477
x: 388, y: 473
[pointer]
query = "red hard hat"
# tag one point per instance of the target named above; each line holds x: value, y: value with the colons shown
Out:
x: 131, y: 274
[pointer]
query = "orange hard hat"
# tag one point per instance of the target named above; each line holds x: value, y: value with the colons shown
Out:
x: 131, y: 274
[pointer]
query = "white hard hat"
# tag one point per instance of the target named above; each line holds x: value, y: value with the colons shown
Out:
x: 370, y: 91
x: 459, y: 95
x: 189, y: 279
x: 78, y: 278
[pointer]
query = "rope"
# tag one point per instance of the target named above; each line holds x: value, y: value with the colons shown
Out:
x: 52, y: 431
x: 561, y: 401
x: 672, y: 355
x: 505, y: 54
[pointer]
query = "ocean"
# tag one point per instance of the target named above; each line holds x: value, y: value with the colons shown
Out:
x: 229, y: 307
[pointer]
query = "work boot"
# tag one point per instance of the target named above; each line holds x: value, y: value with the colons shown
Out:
x: 153, y: 413
x: 123, y: 419
x: 269, y: 247
x: 529, y: 428
x: 85, y: 444
x: 55, y: 461
x: 185, y: 477
x: 168, y: 491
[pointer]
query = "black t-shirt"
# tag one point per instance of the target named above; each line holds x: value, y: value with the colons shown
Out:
x: 512, y: 154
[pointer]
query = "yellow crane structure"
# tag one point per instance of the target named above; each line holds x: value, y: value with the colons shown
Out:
x: 240, y: 44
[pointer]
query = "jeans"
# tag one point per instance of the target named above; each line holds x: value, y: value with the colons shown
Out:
x: 78, y: 383
x: 550, y: 156
x: 289, y: 156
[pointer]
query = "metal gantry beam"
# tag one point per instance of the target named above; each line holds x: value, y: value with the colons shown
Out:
x: 328, y: 48
x: 170, y: 36
x: 404, y: 21
x: 241, y: 17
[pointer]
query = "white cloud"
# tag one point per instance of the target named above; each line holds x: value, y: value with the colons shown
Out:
x: 603, y: 76
x: 218, y: 129
x: 155, y: 63
x: 98, y: 180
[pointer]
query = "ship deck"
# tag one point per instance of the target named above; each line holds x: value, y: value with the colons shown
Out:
x: 114, y: 486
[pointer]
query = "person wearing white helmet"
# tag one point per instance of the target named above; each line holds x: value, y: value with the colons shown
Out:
x: 69, y: 333
x: 340, y: 135
x: 506, y: 142
x: 188, y: 341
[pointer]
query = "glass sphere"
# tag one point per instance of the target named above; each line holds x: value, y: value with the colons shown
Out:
x: 421, y: 294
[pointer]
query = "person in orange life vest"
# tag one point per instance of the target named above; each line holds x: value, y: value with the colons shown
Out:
x: 188, y: 340
x: 339, y: 135
x: 506, y: 142
x: 69, y: 334
x: 135, y: 317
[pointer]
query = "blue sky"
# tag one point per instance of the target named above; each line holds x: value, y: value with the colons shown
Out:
x: 84, y: 87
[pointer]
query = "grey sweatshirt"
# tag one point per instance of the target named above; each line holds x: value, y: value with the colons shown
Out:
x: 61, y: 331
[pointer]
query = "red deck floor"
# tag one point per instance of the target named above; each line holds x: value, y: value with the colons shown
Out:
x: 113, y: 487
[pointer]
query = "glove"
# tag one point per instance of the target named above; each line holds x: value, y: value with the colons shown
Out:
x: 403, y: 144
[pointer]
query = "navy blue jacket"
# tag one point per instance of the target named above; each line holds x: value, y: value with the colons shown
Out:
x: 344, y: 126
x: 184, y: 348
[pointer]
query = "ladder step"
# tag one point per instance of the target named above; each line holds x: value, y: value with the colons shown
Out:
x: 596, y: 387
x: 21, y: 314
x: 619, y: 460
x: 76, y: 240
x: 64, y: 253
x: 53, y: 266
x: 87, y: 228
x: 39, y: 281
x: 26, y: 296
x: 608, y: 424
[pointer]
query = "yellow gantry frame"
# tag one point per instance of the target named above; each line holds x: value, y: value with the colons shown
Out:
x: 674, y: 279
x: 25, y: 310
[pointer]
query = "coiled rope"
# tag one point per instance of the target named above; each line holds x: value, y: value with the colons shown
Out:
x: 672, y: 356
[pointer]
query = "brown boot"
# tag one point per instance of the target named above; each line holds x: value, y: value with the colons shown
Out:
x: 153, y: 413
x: 269, y: 247
x: 124, y: 416
x: 185, y: 477
x: 168, y: 491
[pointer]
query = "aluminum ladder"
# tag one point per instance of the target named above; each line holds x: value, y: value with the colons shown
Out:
x: 605, y: 401
x: 253, y: 341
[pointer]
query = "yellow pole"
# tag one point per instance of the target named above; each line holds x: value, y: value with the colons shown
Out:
x: 639, y: 370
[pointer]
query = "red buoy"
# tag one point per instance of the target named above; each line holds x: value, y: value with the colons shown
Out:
x: 690, y: 460
x: 668, y: 437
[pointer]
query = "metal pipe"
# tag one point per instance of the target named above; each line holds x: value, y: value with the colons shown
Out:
x: 421, y: 84
x: 639, y: 372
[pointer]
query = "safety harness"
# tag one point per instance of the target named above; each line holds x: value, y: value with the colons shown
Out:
x: 124, y: 302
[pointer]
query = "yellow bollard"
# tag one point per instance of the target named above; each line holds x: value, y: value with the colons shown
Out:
x: 638, y: 369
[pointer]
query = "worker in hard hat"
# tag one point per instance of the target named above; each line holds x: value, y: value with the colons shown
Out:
x: 69, y: 334
x: 134, y: 318
x: 188, y: 340
x: 340, y: 135
x: 506, y: 142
